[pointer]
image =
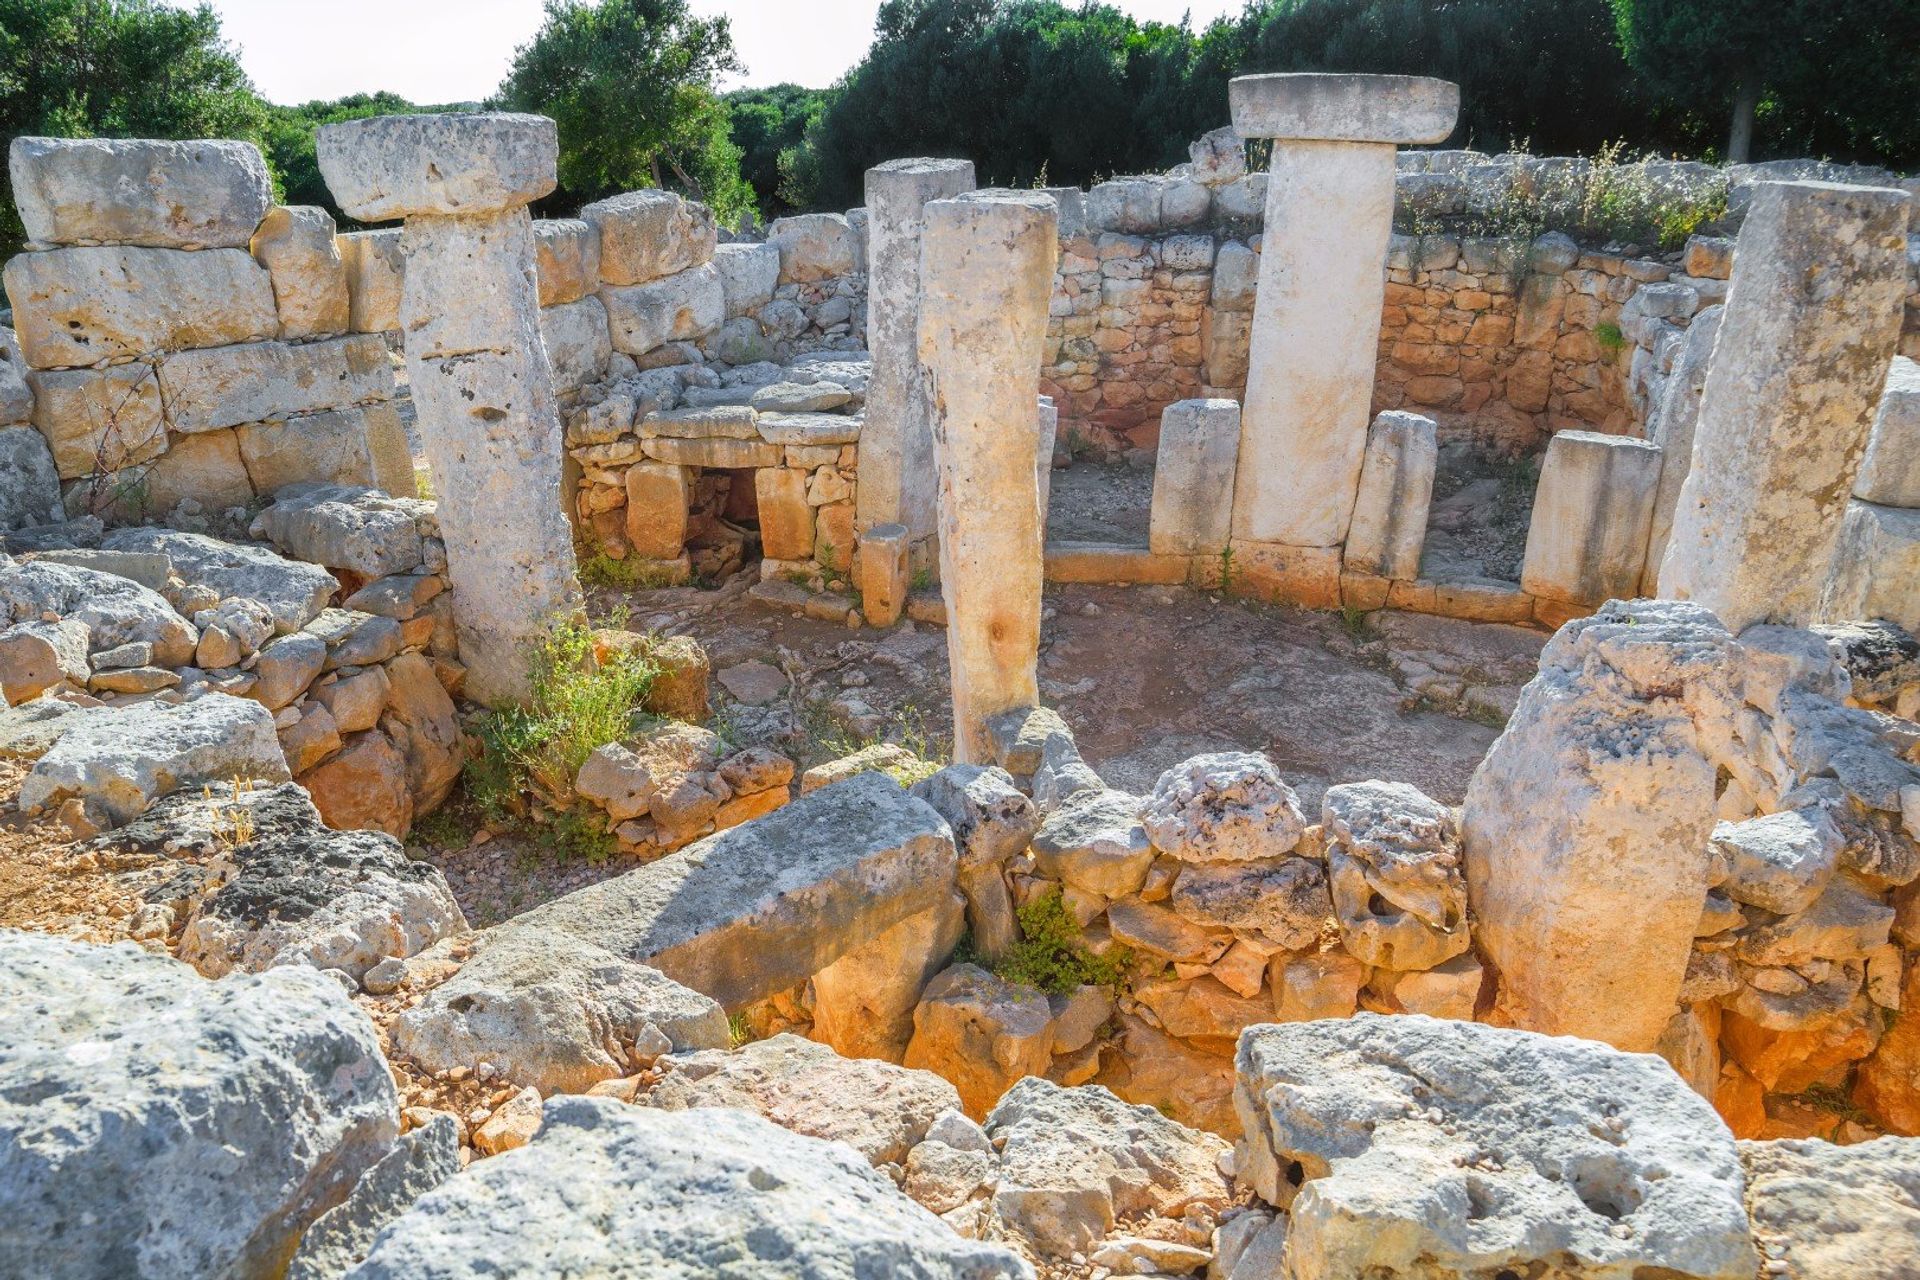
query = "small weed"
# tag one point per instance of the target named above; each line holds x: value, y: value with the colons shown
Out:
x: 738, y: 1032
x: 1608, y: 335
x: 1356, y: 622
x: 233, y: 824
x: 1226, y: 570
x: 1051, y: 954
x: 580, y: 832
x: 922, y: 579
x: 602, y: 570
x: 423, y: 484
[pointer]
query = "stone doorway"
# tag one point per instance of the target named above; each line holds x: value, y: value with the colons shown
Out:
x: 723, y: 522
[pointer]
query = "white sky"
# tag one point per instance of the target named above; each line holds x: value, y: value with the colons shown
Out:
x: 458, y: 50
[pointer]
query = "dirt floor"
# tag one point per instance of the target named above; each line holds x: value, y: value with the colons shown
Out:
x: 1100, y: 501
x: 1477, y: 526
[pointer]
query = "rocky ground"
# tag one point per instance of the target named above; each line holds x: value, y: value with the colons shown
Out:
x: 1477, y: 526
x: 1100, y: 501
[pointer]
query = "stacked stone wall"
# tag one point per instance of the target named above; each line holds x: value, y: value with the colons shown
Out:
x: 190, y: 347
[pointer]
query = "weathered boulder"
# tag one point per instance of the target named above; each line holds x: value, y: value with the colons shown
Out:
x: 555, y: 1012
x: 155, y: 1124
x: 645, y: 235
x: 1606, y: 751
x: 566, y: 259
x: 814, y: 246
x: 346, y: 527
x: 36, y: 656
x: 296, y: 245
x: 1821, y: 1211
x: 1093, y: 841
x: 1230, y: 806
x: 364, y: 787
x: 116, y: 610
x: 982, y: 1033
x: 29, y: 484
x: 1393, y: 861
x: 389, y: 167
x: 1779, y: 862
x: 878, y: 1109
x: 630, y: 1192
x: 1073, y: 1162
x: 294, y: 591
x: 200, y: 194
x: 760, y: 908
x: 1282, y: 902
x: 1410, y: 1146
x: 339, y: 1238
x: 864, y: 1002
x: 119, y: 760
x: 278, y: 888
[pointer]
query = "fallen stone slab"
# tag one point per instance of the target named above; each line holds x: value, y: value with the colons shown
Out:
x: 339, y: 1238
x: 879, y: 1109
x: 29, y: 730
x: 760, y: 908
x: 118, y: 760
x: 116, y: 610
x: 296, y: 592
x: 555, y: 1012
x: 154, y: 1124
x: 1413, y: 1146
x: 1821, y: 1211
x: 279, y: 887
x: 624, y: 1192
x: 1073, y: 1162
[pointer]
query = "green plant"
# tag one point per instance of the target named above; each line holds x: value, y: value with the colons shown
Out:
x: 632, y: 574
x: 1356, y: 622
x: 1226, y: 570
x: 738, y: 1030
x: 1052, y: 953
x: 576, y: 704
x: 1608, y: 335
x: 441, y: 827
x: 580, y: 831
x: 922, y: 579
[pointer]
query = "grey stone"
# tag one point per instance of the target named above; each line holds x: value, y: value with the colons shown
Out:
x: 991, y: 820
x: 749, y: 273
x: 1393, y: 862
x: 295, y: 592
x: 1199, y: 447
x: 181, y: 195
x: 29, y: 730
x: 810, y: 428
x: 650, y: 234
x: 390, y: 167
x: 77, y: 307
x: 683, y: 307
x: 796, y: 397
x: 286, y: 667
x: 110, y: 1051
x: 1408, y: 1146
x: 149, y: 569
x: 256, y: 381
x: 29, y: 485
x: 759, y: 908
x: 115, y: 609
x: 628, y: 1193
x: 119, y: 760
x: 1020, y: 738
x: 1825, y: 1212
x: 296, y: 245
x: 346, y: 527
x: 1405, y: 110
x: 1093, y: 842
x: 1779, y: 862
x: 553, y: 1011
x: 1227, y: 806
x: 1283, y: 902
x: 339, y: 1239
x: 1890, y: 472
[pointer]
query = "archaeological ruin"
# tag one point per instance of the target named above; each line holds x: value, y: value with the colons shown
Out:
x: 1234, y: 723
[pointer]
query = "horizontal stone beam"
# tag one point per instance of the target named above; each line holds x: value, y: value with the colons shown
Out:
x: 1314, y: 106
x: 762, y: 907
x: 402, y: 166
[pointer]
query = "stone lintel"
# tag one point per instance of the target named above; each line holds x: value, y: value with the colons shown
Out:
x: 1321, y: 107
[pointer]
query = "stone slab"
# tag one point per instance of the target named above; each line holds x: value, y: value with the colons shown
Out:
x: 199, y: 194
x: 1403, y: 110
x: 1193, y: 478
x: 390, y: 167
x: 254, y: 382
x: 76, y: 307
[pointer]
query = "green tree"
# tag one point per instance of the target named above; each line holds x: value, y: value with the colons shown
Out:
x: 765, y: 123
x: 1819, y: 76
x: 288, y: 140
x: 117, y: 69
x: 631, y: 85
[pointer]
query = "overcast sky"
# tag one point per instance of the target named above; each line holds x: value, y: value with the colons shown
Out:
x: 458, y: 50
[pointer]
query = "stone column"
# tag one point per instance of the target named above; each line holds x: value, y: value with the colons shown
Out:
x: 469, y: 313
x: 1046, y: 424
x: 896, y: 445
x: 1389, y: 528
x: 1316, y: 315
x: 987, y: 262
x: 1811, y: 322
x: 1592, y: 510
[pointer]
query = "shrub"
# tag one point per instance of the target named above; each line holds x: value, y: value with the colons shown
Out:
x: 1052, y: 954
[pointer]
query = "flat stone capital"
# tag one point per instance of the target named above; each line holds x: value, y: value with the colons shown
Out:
x: 914, y: 181
x: 1320, y: 107
x: 474, y: 162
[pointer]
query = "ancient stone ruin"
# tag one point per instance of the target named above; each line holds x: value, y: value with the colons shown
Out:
x: 1633, y: 992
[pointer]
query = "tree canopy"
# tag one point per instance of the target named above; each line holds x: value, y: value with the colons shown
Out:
x: 631, y: 85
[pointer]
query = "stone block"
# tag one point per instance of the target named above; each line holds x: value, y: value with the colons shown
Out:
x: 325, y: 448
x: 566, y: 259
x: 1218, y: 156
x: 684, y: 307
x: 882, y: 573
x: 1890, y: 473
x: 206, y: 468
x: 375, y: 271
x: 716, y: 451
x: 29, y: 482
x: 814, y: 246
x: 656, y: 518
x: 1592, y: 513
x: 76, y: 307
x: 578, y: 344
x: 760, y: 908
x: 1112, y: 562
x: 297, y: 247
x: 1788, y: 401
x: 1314, y: 106
x: 647, y: 235
x: 219, y: 387
x: 463, y: 163
x: 200, y: 194
x: 99, y: 420
x: 390, y: 451
x: 786, y: 522
x: 468, y: 285
x: 749, y: 273
x: 1193, y: 477
x: 1876, y: 567
x: 1389, y: 526
x: 1130, y: 206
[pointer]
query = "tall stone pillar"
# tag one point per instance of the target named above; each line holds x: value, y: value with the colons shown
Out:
x: 1316, y: 313
x: 896, y: 444
x: 1811, y: 322
x: 987, y: 262
x: 469, y: 316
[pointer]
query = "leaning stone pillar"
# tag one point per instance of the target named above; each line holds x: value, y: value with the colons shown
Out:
x: 1812, y: 318
x: 987, y: 271
x: 469, y: 317
x: 1316, y: 314
x: 896, y: 444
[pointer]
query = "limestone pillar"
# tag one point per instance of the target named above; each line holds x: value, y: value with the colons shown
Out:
x: 987, y: 262
x: 1591, y: 514
x: 1389, y: 529
x: 896, y: 445
x: 1046, y: 424
x: 1811, y: 322
x: 1672, y: 430
x: 1193, y: 478
x: 469, y: 313
x: 1316, y: 314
